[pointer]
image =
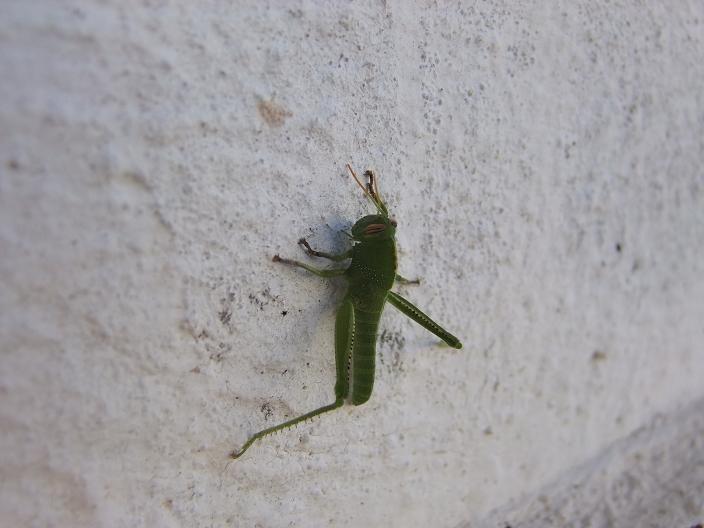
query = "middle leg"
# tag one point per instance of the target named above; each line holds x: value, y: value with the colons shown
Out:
x: 320, y: 273
x: 313, y: 253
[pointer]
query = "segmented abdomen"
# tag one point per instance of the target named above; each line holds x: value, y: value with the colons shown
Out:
x: 366, y: 322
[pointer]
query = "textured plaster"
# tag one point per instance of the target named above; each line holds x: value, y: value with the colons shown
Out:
x: 544, y: 161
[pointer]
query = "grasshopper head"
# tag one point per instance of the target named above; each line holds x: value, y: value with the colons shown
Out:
x: 373, y: 227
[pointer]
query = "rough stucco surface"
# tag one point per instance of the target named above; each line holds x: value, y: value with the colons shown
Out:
x: 653, y: 478
x: 544, y: 162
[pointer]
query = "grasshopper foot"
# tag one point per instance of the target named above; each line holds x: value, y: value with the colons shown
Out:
x: 277, y: 258
x: 306, y: 247
x: 403, y: 280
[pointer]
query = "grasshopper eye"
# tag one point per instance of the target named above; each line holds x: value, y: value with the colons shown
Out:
x: 393, y: 222
x: 373, y: 229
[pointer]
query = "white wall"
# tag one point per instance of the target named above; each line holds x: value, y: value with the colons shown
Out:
x: 544, y: 162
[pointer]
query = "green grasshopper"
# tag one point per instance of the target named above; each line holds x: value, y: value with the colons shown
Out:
x: 371, y: 274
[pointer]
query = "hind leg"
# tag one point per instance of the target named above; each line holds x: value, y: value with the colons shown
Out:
x: 344, y: 336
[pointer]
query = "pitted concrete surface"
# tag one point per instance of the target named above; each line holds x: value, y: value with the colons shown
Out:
x: 544, y: 162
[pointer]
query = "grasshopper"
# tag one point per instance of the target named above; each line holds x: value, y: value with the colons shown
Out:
x: 370, y: 274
